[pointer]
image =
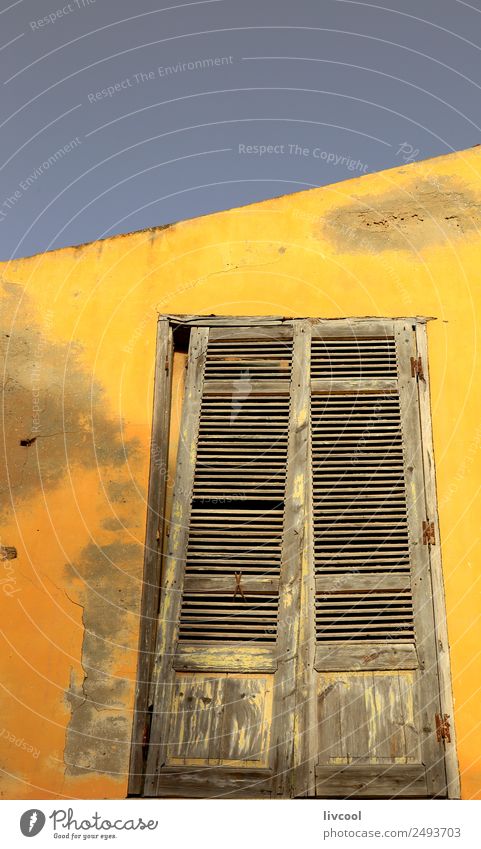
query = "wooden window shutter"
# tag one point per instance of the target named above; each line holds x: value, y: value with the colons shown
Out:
x: 297, y: 650
x: 223, y: 697
x: 376, y: 687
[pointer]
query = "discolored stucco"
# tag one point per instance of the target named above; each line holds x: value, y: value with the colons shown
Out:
x: 52, y: 404
x: 411, y: 217
x: 98, y: 734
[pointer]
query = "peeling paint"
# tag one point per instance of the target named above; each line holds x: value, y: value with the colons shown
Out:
x: 99, y: 730
x: 52, y: 406
x: 405, y: 218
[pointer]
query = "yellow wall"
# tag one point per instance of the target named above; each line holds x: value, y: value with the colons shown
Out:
x: 78, y: 326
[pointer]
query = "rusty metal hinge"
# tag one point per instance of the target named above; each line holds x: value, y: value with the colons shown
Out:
x: 417, y: 368
x: 443, y: 731
x: 429, y: 537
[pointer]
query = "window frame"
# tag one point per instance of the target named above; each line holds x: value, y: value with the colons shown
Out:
x: 172, y: 331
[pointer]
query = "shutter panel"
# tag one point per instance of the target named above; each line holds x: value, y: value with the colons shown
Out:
x: 375, y: 684
x: 222, y: 711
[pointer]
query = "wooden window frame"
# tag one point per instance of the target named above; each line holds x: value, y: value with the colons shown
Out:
x: 172, y: 331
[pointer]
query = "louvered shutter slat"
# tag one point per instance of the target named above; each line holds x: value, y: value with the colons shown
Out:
x: 234, y: 473
x: 355, y: 437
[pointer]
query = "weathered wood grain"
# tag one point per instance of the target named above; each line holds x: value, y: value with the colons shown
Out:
x: 247, y: 719
x: 306, y: 738
x: 227, y: 583
x: 412, y: 733
x: 226, y: 320
x: 427, y: 682
x: 288, y: 704
x: 320, y: 326
x: 366, y: 655
x: 323, y: 385
x: 195, y: 727
x: 215, y: 783
x: 392, y: 781
x: 220, y: 720
x: 330, y: 745
x: 439, y: 602
x: 361, y: 718
x: 230, y: 658
x: 352, y: 327
x: 159, y: 447
x: 258, y: 331
x: 163, y: 677
x: 345, y: 582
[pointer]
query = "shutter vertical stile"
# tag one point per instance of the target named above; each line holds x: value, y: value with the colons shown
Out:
x: 163, y: 677
x: 439, y: 602
x: 428, y: 703
x: 153, y: 549
x: 305, y: 715
x: 292, y: 683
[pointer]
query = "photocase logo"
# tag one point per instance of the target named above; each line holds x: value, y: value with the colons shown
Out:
x: 32, y: 822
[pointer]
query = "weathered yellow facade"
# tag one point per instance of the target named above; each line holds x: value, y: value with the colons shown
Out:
x: 78, y: 331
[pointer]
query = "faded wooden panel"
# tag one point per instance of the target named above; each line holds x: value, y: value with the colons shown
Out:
x: 331, y: 743
x: 215, y: 782
x: 324, y: 385
x: 403, y: 780
x: 357, y: 581
x: 352, y: 327
x: 195, y: 729
x: 387, y: 716
x: 247, y: 716
x: 343, y: 714
x: 359, y: 720
x: 439, y: 603
x: 412, y: 737
x: 227, y: 583
x: 246, y: 333
x: 367, y: 655
x: 220, y: 720
x: 216, y: 658
x: 362, y: 715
